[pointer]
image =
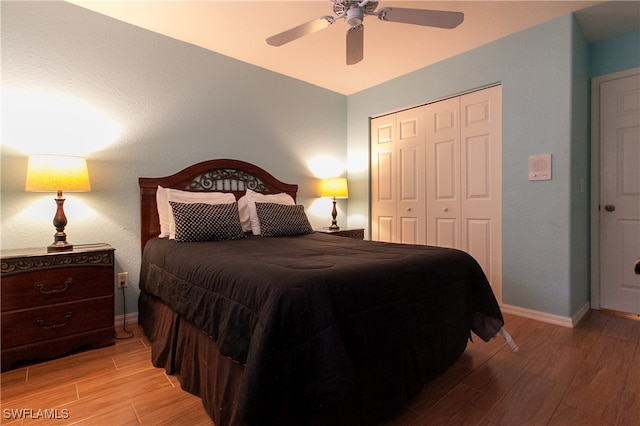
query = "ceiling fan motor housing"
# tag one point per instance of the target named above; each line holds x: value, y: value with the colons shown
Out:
x: 353, y: 10
x: 354, y: 16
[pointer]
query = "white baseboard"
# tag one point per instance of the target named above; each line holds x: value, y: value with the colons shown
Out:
x: 581, y: 313
x: 131, y: 318
x: 569, y: 322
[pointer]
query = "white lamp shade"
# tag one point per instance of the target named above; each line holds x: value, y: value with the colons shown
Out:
x: 57, y: 173
x: 335, y: 187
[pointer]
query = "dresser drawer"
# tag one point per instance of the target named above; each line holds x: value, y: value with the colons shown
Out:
x: 39, y: 288
x: 55, y: 302
x: 20, y: 327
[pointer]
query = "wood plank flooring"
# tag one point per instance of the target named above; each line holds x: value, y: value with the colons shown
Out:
x: 589, y: 375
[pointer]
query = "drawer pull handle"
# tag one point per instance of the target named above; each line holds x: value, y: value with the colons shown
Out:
x: 67, y: 283
x: 42, y: 325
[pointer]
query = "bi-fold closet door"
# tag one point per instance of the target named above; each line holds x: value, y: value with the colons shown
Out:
x: 398, y: 182
x: 436, y: 176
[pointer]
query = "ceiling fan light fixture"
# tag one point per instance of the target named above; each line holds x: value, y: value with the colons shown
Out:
x: 354, y: 16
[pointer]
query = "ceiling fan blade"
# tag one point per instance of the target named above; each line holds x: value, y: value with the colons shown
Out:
x: 300, y: 31
x: 355, y: 44
x: 430, y: 18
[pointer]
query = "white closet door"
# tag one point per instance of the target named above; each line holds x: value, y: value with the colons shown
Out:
x: 481, y: 180
x: 436, y: 177
x: 443, y: 173
x: 383, y: 181
x: 410, y: 176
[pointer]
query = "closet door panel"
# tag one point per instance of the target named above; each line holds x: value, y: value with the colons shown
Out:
x: 409, y: 187
x: 383, y: 181
x: 481, y: 174
x: 443, y: 173
x: 478, y: 240
x: 384, y: 229
x: 477, y: 168
x: 385, y: 203
x: 410, y: 208
x: 446, y: 232
x: 445, y: 181
x: 409, y: 230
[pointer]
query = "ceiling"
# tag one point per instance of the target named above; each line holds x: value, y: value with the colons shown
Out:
x: 239, y: 28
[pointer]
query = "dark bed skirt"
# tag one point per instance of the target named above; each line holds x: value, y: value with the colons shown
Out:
x: 193, y: 358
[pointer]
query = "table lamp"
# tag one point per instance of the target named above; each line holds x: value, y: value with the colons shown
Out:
x: 334, y: 188
x: 57, y: 173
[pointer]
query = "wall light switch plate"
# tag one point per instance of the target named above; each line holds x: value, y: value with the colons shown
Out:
x: 540, y: 167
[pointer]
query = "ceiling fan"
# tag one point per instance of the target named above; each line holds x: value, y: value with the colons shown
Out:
x: 354, y: 11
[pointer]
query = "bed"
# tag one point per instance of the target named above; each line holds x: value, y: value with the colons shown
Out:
x: 294, y: 327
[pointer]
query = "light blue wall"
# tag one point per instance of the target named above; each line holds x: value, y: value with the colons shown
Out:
x: 175, y: 103
x: 614, y: 54
x: 580, y: 174
x: 536, y: 70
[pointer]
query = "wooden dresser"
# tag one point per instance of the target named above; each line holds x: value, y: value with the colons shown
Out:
x: 53, y: 303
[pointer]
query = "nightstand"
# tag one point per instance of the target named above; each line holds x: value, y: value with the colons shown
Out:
x: 53, y: 303
x: 356, y: 233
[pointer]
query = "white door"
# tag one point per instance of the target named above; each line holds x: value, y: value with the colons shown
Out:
x: 383, y: 190
x: 481, y: 180
x: 397, y: 178
x: 464, y: 178
x: 620, y: 193
x: 443, y: 173
x: 436, y: 177
x: 410, y: 177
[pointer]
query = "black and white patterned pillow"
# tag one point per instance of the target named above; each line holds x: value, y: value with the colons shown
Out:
x: 206, y: 222
x: 279, y: 220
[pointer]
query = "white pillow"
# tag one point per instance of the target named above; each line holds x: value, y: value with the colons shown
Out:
x: 247, y: 207
x: 164, y: 211
x: 164, y: 195
x: 243, y: 210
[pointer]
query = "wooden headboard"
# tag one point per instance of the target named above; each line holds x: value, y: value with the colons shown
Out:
x: 223, y: 175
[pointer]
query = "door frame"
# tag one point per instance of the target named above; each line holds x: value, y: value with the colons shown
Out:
x: 595, y: 178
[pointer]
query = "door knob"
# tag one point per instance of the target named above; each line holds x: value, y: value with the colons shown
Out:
x: 609, y: 207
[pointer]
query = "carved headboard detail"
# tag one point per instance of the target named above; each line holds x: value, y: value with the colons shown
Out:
x: 223, y: 175
x: 225, y: 180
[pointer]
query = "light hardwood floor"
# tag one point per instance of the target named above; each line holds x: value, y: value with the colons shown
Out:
x: 589, y: 375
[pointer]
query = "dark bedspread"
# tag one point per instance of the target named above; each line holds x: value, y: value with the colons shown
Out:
x: 304, y: 313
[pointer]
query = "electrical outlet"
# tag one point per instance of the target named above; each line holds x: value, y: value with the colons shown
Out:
x: 123, y: 279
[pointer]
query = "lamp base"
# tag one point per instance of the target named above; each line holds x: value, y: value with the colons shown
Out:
x: 334, y: 214
x: 58, y: 246
x: 59, y: 221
